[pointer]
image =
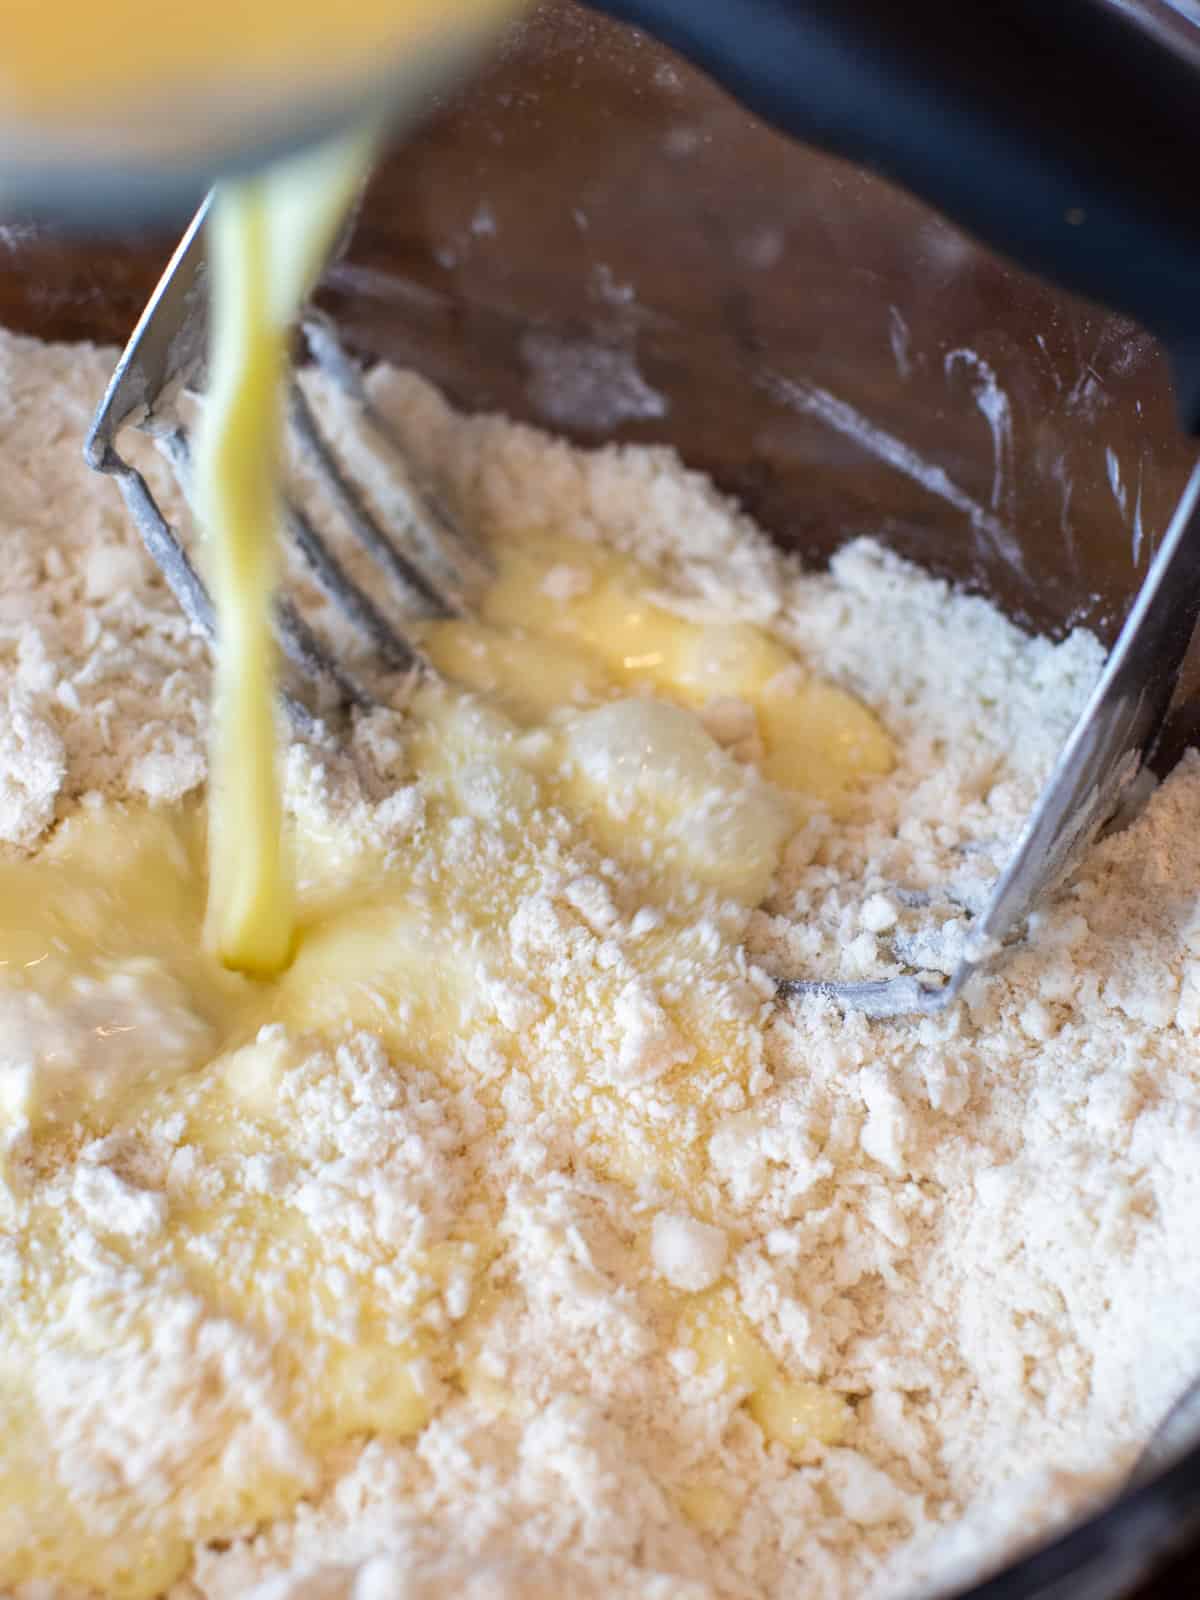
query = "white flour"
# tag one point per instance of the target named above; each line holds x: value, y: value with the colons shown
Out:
x: 981, y: 1227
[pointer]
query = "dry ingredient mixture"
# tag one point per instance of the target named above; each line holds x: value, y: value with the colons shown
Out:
x: 529, y: 1248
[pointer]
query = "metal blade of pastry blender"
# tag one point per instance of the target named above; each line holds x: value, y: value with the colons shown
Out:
x: 1103, y: 757
x: 165, y: 349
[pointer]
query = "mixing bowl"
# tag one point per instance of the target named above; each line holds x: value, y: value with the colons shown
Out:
x: 595, y: 239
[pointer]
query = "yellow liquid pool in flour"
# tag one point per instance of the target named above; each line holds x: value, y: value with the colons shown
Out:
x: 576, y: 730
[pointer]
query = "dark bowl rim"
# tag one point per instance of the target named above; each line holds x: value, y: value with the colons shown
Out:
x: 1121, y: 1544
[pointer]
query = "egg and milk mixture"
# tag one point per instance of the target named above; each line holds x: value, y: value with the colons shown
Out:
x: 575, y: 719
x: 268, y: 238
x: 128, y: 82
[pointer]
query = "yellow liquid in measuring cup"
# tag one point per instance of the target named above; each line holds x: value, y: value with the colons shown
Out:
x: 103, y: 67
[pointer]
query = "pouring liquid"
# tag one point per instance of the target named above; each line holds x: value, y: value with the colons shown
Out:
x: 268, y: 236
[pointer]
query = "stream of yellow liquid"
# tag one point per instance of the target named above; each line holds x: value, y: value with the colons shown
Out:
x: 268, y: 237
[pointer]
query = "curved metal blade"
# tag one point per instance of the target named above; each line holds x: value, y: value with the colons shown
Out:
x: 1100, y: 762
x: 165, y: 350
